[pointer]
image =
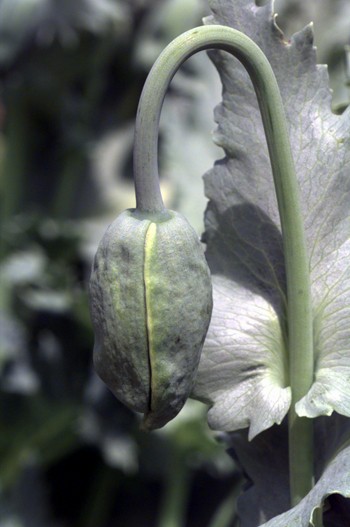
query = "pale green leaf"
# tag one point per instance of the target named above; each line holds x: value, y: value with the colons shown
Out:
x: 264, y: 460
x: 335, y: 480
x: 243, y: 368
x: 243, y: 227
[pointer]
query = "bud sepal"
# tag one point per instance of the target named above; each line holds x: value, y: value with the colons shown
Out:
x: 151, y: 303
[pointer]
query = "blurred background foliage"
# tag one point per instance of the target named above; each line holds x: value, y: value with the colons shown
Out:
x: 71, y: 73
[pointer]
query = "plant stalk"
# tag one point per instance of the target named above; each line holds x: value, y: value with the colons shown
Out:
x: 148, y: 198
x: 174, y: 501
x: 13, y: 165
x: 226, y: 513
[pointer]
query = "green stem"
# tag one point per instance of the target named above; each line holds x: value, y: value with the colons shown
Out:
x: 76, y: 155
x: 174, y: 501
x: 148, y: 198
x: 226, y: 513
x: 13, y: 166
x: 44, y: 437
x: 101, y: 498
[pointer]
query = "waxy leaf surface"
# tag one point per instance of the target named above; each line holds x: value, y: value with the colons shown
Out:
x: 247, y: 330
x: 242, y: 356
x: 265, y: 463
x: 335, y: 480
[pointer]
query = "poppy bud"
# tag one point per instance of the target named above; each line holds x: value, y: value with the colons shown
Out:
x: 151, y: 302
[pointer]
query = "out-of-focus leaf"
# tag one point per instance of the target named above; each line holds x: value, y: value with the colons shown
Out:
x: 108, y: 424
x: 190, y: 434
x: 34, y: 428
x: 11, y: 337
x: 44, y: 20
x: 243, y: 227
x: 45, y: 283
x: 23, y: 267
x: 30, y: 498
x: 9, y: 518
x: 168, y: 20
x: 16, y: 373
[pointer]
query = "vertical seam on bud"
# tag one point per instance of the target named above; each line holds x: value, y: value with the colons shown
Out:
x: 148, y: 248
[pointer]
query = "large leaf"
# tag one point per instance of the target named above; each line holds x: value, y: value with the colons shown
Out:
x: 334, y: 481
x: 244, y: 238
x: 246, y: 330
x: 329, y: 42
x: 265, y: 463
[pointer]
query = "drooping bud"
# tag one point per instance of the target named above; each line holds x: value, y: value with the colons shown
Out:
x: 151, y: 302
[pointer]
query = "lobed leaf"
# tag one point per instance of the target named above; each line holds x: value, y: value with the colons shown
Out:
x: 335, y: 480
x: 245, y: 337
x: 265, y: 462
x: 243, y: 236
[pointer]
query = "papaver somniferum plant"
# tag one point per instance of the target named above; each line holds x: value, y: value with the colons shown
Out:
x: 275, y: 365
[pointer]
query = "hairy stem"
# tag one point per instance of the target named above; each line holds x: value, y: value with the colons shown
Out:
x: 148, y: 198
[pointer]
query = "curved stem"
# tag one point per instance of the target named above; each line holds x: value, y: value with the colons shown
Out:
x: 148, y: 198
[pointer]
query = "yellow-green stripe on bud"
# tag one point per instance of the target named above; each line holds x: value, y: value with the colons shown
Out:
x: 151, y: 302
